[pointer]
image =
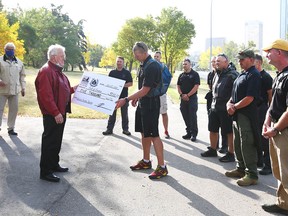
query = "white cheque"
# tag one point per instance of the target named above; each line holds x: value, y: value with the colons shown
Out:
x: 98, y: 92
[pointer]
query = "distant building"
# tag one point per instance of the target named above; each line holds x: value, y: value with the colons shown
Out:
x: 283, y: 19
x: 216, y: 42
x: 254, y: 32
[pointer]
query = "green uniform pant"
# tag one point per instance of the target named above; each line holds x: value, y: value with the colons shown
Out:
x: 245, y: 148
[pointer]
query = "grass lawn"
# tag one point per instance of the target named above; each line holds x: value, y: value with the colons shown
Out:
x: 28, y: 105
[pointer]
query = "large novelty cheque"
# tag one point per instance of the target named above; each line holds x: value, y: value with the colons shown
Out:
x: 98, y: 92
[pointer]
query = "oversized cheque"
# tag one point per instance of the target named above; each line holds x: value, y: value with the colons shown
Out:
x: 98, y: 92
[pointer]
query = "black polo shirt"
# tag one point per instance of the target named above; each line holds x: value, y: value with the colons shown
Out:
x: 280, y: 95
x: 246, y: 84
x: 266, y: 84
x: 123, y: 75
x: 187, y: 81
x: 152, y: 75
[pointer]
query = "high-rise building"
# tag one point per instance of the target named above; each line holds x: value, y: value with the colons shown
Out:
x: 283, y: 19
x: 254, y: 32
x: 216, y: 42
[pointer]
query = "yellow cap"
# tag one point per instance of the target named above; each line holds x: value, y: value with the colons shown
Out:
x: 277, y: 44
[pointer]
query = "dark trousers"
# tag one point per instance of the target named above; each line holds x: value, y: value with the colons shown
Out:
x: 124, y: 116
x: 189, y: 113
x: 51, y: 144
x: 264, y: 145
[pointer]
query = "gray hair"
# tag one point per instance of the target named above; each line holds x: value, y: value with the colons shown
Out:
x: 10, y: 44
x: 140, y: 46
x: 53, y: 50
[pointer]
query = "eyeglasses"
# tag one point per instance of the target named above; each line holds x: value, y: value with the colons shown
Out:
x: 223, y: 55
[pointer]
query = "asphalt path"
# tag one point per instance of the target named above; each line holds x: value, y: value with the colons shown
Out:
x: 99, y: 181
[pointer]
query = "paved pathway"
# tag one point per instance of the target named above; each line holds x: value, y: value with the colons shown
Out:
x: 100, y: 182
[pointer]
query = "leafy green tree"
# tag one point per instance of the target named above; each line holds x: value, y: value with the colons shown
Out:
x: 136, y: 29
x: 175, y: 34
x: 96, y: 52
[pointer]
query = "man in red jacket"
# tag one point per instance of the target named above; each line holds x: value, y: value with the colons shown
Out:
x: 54, y: 99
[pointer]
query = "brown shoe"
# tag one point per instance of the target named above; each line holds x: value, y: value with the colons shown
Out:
x: 247, y: 181
x: 236, y: 173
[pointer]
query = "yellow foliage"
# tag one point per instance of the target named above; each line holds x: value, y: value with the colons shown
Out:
x: 10, y: 34
x: 108, y: 58
x: 204, y: 60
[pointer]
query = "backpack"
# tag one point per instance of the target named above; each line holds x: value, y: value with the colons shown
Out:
x: 165, y: 80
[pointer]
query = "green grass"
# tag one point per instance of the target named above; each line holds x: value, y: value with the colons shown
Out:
x: 28, y: 105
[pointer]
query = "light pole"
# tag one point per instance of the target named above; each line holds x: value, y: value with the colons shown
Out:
x: 210, y: 67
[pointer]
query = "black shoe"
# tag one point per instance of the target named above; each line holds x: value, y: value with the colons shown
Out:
x: 265, y: 171
x: 186, y: 136
x: 193, y: 138
x: 229, y: 157
x: 273, y: 208
x: 50, y: 177
x: 223, y: 150
x: 61, y: 169
x: 126, y: 132
x: 12, y: 132
x: 209, y: 153
x: 107, y: 132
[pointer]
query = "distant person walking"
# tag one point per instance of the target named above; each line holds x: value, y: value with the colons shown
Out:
x: 120, y: 73
x: 12, y: 82
x: 54, y: 99
x: 187, y: 85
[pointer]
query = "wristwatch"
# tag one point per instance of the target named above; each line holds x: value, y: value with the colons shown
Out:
x: 275, y: 130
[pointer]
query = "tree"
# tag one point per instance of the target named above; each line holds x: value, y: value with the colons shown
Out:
x: 204, y: 60
x: 136, y: 29
x: 9, y: 33
x: 175, y: 33
x: 96, y: 52
x: 108, y: 59
x: 231, y: 49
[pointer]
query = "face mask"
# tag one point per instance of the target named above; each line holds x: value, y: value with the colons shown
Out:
x: 9, y: 53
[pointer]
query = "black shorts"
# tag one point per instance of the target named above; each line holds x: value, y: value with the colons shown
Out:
x: 219, y: 119
x: 147, y: 116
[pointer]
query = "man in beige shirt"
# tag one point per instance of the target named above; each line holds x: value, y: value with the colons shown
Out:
x: 12, y: 82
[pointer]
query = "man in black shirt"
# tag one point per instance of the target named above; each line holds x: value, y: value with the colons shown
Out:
x: 275, y: 125
x: 148, y: 110
x: 264, y: 101
x: 120, y: 73
x: 187, y: 85
x: 243, y: 107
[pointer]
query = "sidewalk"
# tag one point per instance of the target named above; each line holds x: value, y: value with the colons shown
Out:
x: 100, y: 182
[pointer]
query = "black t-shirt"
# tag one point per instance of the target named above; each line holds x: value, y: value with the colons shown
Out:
x: 152, y: 75
x: 279, y: 101
x: 266, y: 84
x: 246, y: 84
x: 187, y: 81
x: 123, y: 75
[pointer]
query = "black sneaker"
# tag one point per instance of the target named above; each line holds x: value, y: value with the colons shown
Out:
x: 229, y: 157
x: 12, y: 133
x: 126, y: 132
x: 186, y: 136
x: 265, y: 170
x: 107, y: 132
x: 193, y: 138
x: 209, y: 153
x: 223, y: 150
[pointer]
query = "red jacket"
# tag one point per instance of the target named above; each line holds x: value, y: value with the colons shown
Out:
x: 53, y: 90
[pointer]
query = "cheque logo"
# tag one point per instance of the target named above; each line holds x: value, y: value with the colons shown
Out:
x: 85, y: 81
x: 94, y: 82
